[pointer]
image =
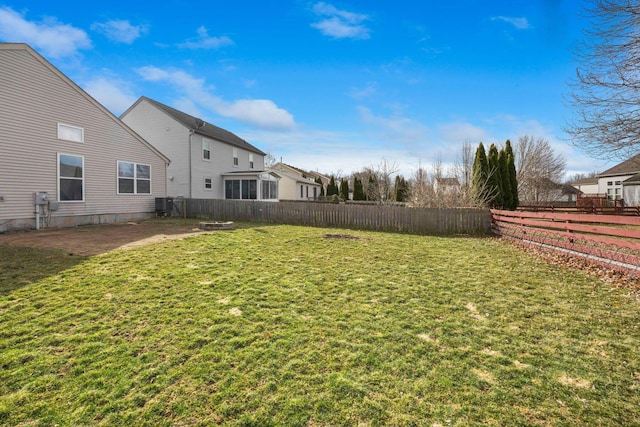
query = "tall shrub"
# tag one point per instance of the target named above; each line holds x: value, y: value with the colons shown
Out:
x: 479, y: 177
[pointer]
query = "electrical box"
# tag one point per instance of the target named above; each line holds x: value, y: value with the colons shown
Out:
x: 42, y: 198
x: 53, y: 205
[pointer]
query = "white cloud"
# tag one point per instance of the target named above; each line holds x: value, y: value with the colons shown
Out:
x: 110, y: 93
x: 120, y: 31
x: 340, y: 24
x: 49, y: 36
x: 395, y: 130
x: 260, y: 113
x: 333, y: 152
x: 519, y: 23
x: 204, y: 41
x: 456, y: 133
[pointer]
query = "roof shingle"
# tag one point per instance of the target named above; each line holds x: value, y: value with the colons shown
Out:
x: 205, y: 128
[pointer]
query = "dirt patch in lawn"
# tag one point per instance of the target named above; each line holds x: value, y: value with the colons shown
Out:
x: 96, y: 239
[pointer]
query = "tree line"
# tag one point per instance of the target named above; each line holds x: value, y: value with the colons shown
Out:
x: 501, y: 177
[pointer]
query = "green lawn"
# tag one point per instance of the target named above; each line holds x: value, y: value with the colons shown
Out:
x: 282, y: 325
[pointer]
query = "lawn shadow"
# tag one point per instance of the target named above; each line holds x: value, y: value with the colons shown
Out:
x: 22, y: 266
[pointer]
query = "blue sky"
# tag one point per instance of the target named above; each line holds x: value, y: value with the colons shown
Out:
x: 332, y: 86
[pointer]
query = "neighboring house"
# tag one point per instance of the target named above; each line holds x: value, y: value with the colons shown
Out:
x: 446, y: 185
x: 296, y: 184
x: 207, y: 162
x: 587, y: 185
x: 65, y: 160
x: 545, y: 191
x: 613, y: 181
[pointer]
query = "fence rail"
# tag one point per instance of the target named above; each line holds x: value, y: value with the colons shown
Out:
x: 609, y: 240
x: 592, y: 209
x: 363, y: 217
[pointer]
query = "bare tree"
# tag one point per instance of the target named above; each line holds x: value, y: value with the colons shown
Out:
x: 421, y: 193
x: 269, y: 161
x: 379, y: 184
x: 605, y: 92
x: 539, y: 170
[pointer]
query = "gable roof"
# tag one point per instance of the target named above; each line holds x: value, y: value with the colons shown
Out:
x: 199, y: 126
x: 628, y: 167
x: 74, y: 86
x: 296, y: 178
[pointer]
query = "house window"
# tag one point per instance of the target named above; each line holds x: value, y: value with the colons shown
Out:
x: 70, y: 178
x: 70, y: 133
x: 235, y: 157
x: 206, y: 149
x: 250, y: 161
x: 269, y: 190
x: 134, y: 178
x: 618, y: 182
x: 609, y: 182
x: 208, y: 183
x: 246, y: 189
x: 315, y: 193
x: 302, y: 191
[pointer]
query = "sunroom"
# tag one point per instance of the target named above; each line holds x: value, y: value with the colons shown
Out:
x: 251, y: 185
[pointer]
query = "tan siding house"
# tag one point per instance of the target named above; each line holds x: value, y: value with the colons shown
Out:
x: 207, y: 162
x: 295, y: 184
x: 57, y: 139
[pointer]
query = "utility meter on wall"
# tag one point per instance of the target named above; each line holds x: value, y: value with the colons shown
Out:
x: 42, y: 198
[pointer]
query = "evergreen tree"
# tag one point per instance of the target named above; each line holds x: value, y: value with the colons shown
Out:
x: 507, y: 194
x: 513, y: 177
x: 479, y: 177
x: 332, y: 188
x: 319, y: 181
x: 372, y: 190
x: 344, y: 189
x: 358, y: 189
x: 494, y: 180
x: 401, y: 189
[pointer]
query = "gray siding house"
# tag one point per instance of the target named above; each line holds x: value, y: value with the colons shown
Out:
x: 65, y: 159
x: 207, y: 162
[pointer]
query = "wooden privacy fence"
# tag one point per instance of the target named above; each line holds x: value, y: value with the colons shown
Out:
x: 362, y: 217
x: 609, y: 240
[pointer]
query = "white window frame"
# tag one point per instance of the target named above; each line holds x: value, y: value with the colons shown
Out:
x: 81, y: 179
x: 67, y: 136
x: 135, y: 178
x: 206, y: 150
x: 204, y: 183
x: 236, y: 161
x: 251, y: 165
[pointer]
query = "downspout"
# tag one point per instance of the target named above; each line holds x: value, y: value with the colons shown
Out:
x: 199, y: 124
x: 191, y: 132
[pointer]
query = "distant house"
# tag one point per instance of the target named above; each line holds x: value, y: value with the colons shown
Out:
x: 65, y: 160
x: 545, y: 191
x: 295, y: 183
x: 207, y: 162
x: 587, y: 185
x: 446, y: 185
x: 621, y: 181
